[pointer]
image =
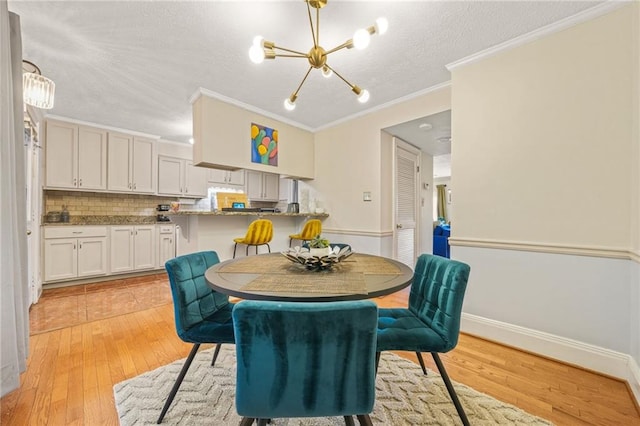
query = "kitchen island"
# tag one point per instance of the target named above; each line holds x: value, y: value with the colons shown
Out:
x: 215, y: 230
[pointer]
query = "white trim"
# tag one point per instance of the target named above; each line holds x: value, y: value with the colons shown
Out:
x: 101, y: 126
x: 210, y: 93
x: 571, y: 351
x: 357, y: 232
x: 560, y: 25
x: 385, y: 105
x: 615, y: 253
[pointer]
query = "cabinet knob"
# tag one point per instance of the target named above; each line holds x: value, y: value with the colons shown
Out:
x: 74, y: 182
x: 134, y: 186
x: 80, y: 182
x: 129, y: 185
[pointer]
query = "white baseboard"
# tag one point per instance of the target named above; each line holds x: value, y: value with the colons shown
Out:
x: 612, y: 363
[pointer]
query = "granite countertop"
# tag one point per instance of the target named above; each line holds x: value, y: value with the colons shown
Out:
x: 104, y: 220
x: 221, y: 213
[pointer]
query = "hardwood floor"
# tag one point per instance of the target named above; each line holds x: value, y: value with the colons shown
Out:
x: 87, y: 338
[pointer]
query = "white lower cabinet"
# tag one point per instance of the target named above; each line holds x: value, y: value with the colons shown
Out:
x: 132, y: 248
x: 166, y: 244
x: 75, y: 252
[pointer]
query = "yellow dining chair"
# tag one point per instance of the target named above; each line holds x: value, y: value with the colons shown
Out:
x: 260, y: 233
x: 311, y: 229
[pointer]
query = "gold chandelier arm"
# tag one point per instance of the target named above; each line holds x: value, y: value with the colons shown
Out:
x: 341, y: 77
x: 279, y: 55
x: 295, y: 94
x: 348, y: 44
x: 289, y: 50
x: 313, y: 34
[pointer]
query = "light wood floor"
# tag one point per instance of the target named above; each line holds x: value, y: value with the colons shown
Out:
x: 74, y: 365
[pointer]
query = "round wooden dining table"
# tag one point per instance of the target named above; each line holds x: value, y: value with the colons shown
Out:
x: 274, y: 277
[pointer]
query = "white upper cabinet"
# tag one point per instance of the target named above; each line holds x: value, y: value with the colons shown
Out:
x: 76, y: 157
x: 226, y: 177
x: 177, y: 176
x: 262, y: 186
x: 130, y: 164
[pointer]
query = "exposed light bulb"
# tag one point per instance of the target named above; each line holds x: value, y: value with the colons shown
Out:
x: 363, y: 97
x: 257, y: 40
x: 382, y: 25
x: 361, y: 39
x: 326, y: 72
x: 191, y: 141
x: 256, y: 54
x: 288, y: 105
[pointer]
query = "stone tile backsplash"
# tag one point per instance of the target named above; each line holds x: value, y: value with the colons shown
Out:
x: 99, y: 204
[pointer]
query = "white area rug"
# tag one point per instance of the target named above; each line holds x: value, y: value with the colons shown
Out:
x: 404, y: 396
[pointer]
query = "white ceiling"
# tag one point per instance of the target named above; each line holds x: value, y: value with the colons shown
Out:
x: 135, y: 65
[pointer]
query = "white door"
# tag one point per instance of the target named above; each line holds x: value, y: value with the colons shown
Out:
x: 92, y: 158
x: 406, y: 207
x: 60, y: 259
x: 121, y: 240
x: 144, y: 250
x: 92, y: 256
x: 142, y: 166
x: 119, y: 163
x: 170, y: 175
x: 195, y: 180
x: 61, y: 151
x: 271, y: 185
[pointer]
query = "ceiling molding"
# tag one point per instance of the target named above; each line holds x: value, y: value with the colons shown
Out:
x: 563, y: 24
x: 210, y: 93
x: 102, y: 126
x: 386, y: 105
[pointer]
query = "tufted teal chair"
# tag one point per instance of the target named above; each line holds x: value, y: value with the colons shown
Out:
x: 310, y: 230
x: 432, y: 321
x: 259, y: 233
x: 201, y: 314
x: 297, y: 359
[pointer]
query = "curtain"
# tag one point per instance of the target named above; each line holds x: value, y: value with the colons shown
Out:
x: 442, y: 203
x: 14, y: 287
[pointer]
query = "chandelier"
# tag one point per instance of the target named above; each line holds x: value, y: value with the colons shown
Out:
x: 317, y: 55
x: 37, y: 91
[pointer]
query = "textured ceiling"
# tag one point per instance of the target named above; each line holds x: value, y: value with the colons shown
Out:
x: 135, y: 65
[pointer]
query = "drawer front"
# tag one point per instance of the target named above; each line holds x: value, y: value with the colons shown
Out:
x: 74, y: 231
x: 165, y: 229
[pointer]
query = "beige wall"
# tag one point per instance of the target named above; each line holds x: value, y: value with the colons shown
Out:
x: 543, y: 139
x: 355, y: 157
x: 222, y: 135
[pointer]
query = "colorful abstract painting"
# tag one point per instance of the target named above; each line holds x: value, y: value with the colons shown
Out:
x: 264, y: 145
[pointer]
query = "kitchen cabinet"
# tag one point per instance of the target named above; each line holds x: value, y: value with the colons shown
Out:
x: 75, y: 156
x: 133, y: 248
x: 262, y: 186
x: 166, y: 243
x: 74, y: 252
x: 131, y: 164
x: 179, y: 177
x: 226, y: 177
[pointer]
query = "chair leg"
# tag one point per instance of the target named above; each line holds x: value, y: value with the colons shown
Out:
x: 215, y: 354
x: 234, y: 250
x: 421, y: 361
x: 452, y: 392
x: 178, y: 382
x: 246, y: 421
x: 247, y: 251
x: 377, y: 362
x: 365, y: 420
x: 269, y: 247
x: 348, y: 421
x: 290, y: 240
x: 263, y: 422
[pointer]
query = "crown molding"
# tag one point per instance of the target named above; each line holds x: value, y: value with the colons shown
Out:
x: 560, y: 25
x: 101, y: 126
x: 211, y: 94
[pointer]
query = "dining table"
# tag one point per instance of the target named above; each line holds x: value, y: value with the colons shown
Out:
x: 275, y: 277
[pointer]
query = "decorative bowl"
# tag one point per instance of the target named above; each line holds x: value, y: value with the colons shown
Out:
x: 318, y: 262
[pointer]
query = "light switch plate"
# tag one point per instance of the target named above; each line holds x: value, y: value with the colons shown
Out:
x: 366, y: 196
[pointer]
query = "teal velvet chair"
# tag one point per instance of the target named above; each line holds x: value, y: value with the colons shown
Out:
x: 299, y: 359
x: 201, y: 314
x: 432, y: 321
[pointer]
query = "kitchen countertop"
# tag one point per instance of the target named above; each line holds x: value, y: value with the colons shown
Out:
x: 221, y: 213
x: 106, y: 220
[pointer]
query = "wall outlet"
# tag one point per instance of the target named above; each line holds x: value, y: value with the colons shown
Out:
x: 366, y: 196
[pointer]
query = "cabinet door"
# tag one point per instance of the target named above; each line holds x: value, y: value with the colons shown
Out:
x: 61, y: 158
x: 121, y: 248
x: 92, y: 256
x: 142, y: 168
x: 92, y: 158
x: 236, y: 177
x: 166, y: 249
x: 195, y: 184
x: 271, y: 186
x: 170, y: 175
x: 60, y: 259
x: 144, y: 251
x: 217, y: 176
x: 119, y: 166
x: 254, y: 185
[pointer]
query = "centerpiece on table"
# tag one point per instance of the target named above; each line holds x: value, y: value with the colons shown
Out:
x: 319, y: 256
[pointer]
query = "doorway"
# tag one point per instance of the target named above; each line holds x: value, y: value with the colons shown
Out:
x: 406, y: 177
